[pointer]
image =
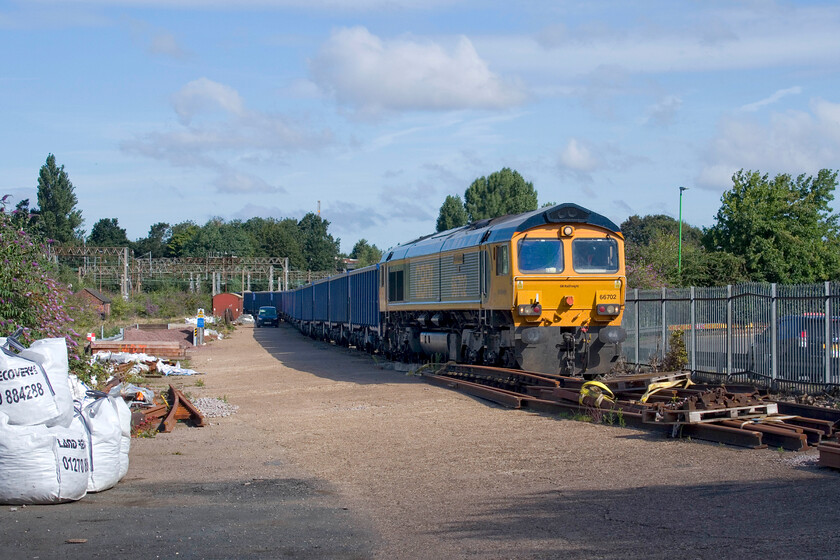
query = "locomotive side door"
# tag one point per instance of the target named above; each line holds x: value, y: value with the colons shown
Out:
x: 499, y: 280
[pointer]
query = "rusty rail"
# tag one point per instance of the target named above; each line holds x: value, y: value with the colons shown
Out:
x: 733, y: 415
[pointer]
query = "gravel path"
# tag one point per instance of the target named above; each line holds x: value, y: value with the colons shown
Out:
x: 440, y: 474
x: 330, y: 455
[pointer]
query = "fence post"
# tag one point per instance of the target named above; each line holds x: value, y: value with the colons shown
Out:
x: 693, y: 331
x: 638, y: 323
x: 664, y: 327
x: 729, y: 329
x: 774, y: 366
x: 828, y: 338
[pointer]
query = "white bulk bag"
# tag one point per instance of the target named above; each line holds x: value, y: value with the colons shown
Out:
x: 103, y: 419
x: 41, y: 465
x: 124, y: 414
x: 51, y: 353
x: 27, y: 394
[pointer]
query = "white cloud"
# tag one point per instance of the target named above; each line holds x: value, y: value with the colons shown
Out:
x: 243, y: 183
x: 577, y: 157
x: 371, y: 75
x: 581, y: 160
x: 224, y: 142
x: 749, y: 38
x: 202, y: 95
x: 166, y: 44
x: 664, y: 111
x: 755, y: 106
x: 791, y: 142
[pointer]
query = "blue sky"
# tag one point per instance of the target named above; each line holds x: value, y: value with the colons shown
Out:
x: 174, y: 110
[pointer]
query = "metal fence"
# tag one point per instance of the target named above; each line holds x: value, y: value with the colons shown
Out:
x: 784, y: 337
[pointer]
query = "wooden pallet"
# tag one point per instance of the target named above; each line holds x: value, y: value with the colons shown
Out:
x: 669, y: 416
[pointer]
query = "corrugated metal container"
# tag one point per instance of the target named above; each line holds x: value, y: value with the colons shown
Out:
x: 364, y: 296
x: 289, y: 303
x: 321, y: 301
x: 296, y: 305
x: 306, y: 303
x: 340, y: 299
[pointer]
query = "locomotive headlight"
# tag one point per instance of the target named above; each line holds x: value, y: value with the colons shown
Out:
x: 608, y: 309
x: 529, y: 309
x: 568, y: 231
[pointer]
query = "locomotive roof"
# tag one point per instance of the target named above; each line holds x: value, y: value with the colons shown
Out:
x: 498, y: 229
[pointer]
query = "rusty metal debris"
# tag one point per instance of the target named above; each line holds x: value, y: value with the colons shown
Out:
x: 830, y: 454
x: 180, y: 409
x: 735, y: 415
x: 176, y: 406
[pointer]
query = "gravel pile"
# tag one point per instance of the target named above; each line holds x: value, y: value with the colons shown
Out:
x: 214, y: 408
x: 802, y: 460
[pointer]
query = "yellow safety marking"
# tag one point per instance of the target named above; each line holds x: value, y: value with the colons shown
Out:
x: 655, y: 387
x: 595, y: 389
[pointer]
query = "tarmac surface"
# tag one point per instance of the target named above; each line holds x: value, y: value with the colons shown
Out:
x: 333, y: 455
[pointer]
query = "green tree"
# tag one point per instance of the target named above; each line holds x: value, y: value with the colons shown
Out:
x: 217, y: 238
x: 641, y: 231
x: 452, y: 214
x: 320, y: 250
x: 500, y: 193
x: 782, y: 228
x: 277, y: 238
x: 181, y: 234
x: 652, y: 252
x: 59, y: 218
x: 107, y: 233
x: 366, y: 254
x: 155, y: 242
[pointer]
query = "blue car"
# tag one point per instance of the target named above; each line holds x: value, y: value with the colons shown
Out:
x: 267, y: 316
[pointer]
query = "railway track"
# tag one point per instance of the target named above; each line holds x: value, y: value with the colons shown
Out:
x: 667, y: 402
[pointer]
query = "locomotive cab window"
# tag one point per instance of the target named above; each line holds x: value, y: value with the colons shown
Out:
x: 595, y: 256
x: 502, y: 261
x: 540, y: 256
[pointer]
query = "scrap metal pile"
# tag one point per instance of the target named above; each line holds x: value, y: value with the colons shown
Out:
x: 731, y: 414
x: 150, y: 412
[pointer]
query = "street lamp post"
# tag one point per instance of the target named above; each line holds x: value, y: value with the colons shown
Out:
x: 679, y: 258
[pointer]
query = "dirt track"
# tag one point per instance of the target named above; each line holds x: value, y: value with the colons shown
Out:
x: 330, y: 455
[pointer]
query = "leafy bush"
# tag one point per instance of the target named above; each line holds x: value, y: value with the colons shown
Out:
x: 30, y: 295
x: 677, y: 357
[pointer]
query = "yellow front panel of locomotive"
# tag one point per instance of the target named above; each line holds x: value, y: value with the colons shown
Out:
x: 568, y: 298
x: 568, y: 302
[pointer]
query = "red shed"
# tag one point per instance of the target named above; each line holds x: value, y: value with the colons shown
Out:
x: 99, y: 301
x: 221, y: 302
